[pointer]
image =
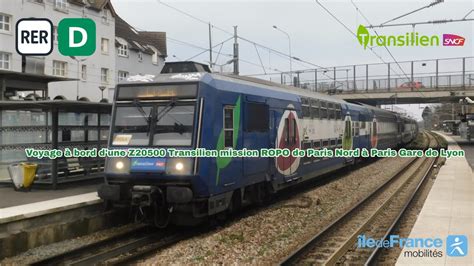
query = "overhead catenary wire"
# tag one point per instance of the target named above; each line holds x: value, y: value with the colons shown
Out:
x: 230, y: 33
x: 439, y: 21
x: 259, y: 58
x: 230, y: 56
x: 194, y: 17
x: 414, y: 11
x: 218, y: 53
x: 355, y: 36
x: 376, y: 33
x: 388, y: 50
x: 207, y: 23
x: 281, y: 54
x: 207, y: 50
x: 276, y: 51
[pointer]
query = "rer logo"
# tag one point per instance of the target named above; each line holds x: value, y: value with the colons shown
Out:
x: 34, y: 36
x: 456, y: 245
x: 76, y: 36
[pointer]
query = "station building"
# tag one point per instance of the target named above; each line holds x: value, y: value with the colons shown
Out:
x: 121, y: 51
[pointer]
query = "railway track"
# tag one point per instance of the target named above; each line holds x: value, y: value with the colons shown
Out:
x: 118, y: 249
x: 374, y: 216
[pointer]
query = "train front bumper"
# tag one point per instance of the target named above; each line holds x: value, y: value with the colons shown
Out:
x: 172, y: 194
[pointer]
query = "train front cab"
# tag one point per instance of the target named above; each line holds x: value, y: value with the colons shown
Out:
x: 155, y: 115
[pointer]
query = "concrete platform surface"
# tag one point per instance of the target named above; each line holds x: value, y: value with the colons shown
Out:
x: 39, y: 208
x: 448, y: 211
x: 10, y: 197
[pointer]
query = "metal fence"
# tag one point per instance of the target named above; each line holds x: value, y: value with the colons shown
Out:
x: 53, y: 125
x: 446, y: 73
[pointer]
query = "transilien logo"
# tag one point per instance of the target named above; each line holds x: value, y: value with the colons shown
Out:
x: 407, y: 39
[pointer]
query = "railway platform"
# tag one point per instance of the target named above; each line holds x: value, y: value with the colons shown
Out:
x: 16, y: 206
x: 42, y: 217
x: 12, y: 198
x: 447, y: 211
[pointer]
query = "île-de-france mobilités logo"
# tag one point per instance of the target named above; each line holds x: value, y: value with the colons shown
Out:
x: 407, y: 39
x: 457, y: 245
x: 76, y: 36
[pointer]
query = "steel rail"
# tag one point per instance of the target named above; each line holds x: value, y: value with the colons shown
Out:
x: 375, y: 253
x: 292, y: 258
x: 296, y: 255
x: 76, y: 252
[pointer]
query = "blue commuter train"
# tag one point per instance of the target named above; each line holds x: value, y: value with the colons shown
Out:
x: 217, y: 111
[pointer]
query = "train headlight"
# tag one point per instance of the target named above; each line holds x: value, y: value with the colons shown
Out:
x: 117, y: 165
x: 179, y: 166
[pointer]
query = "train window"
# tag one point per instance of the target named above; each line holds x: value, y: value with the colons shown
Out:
x: 174, y: 126
x: 228, y: 126
x: 330, y: 108
x: 356, y: 128
x: 326, y: 144
x: 257, y: 117
x: 306, y: 111
x: 316, y: 144
x: 338, y: 111
x: 331, y: 111
x: 315, y: 109
x: 305, y: 107
x: 339, y: 142
x: 130, y: 125
x: 362, y: 124
x: 333, y: 143
x: 306, y: 145
x: 323, y: 112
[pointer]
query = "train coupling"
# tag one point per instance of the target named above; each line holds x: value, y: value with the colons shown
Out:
x: 145, y: 195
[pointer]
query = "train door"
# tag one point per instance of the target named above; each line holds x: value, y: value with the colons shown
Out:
x: 256, y: 136
x: 230, y: 168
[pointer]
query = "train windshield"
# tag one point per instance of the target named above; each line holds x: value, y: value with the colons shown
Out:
x: 174, y: 125
x: 132, y: 125
x: 162, y: 124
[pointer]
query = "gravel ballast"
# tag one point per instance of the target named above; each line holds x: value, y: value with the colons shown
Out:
x: 269, y: 234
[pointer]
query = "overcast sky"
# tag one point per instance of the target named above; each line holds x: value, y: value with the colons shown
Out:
x: 316, y: 37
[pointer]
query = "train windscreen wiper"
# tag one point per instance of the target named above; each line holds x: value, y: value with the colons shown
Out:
x: 166, y: 110
x: 145, y: 116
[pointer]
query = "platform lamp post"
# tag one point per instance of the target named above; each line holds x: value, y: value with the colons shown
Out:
x: 289, y: 48
x: 102, y: 88
x: 78, y: 61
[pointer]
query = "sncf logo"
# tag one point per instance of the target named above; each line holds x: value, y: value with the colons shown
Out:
x: 453, y: 40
